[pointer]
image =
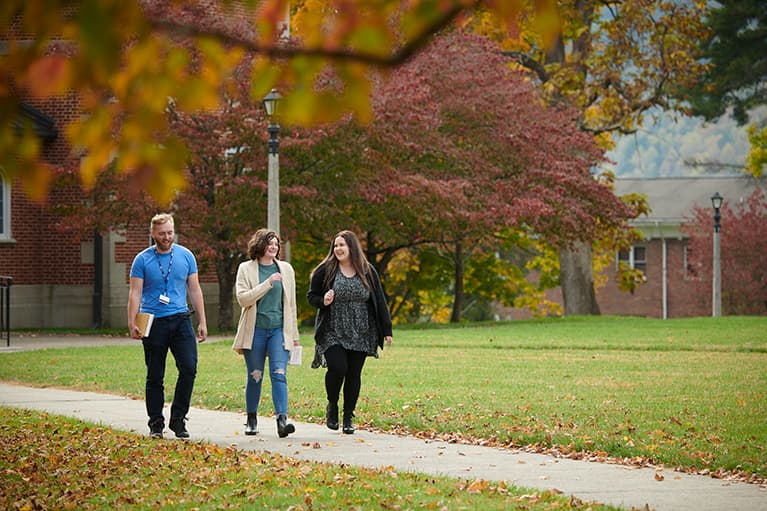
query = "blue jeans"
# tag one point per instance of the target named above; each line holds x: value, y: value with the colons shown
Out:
x: 174, y: 333
x: 267, y: 342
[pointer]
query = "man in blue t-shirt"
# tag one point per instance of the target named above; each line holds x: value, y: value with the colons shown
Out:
x: 159, y: 277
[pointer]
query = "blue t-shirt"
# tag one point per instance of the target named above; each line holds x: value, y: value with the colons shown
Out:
x: 164, y: 274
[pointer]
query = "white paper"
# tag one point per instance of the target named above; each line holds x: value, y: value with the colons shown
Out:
x: 295, y: 355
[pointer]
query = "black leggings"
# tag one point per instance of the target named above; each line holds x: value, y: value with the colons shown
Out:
x: 344, y: 369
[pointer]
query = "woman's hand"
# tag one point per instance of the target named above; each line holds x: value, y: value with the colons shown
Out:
x: 275, y: 277
x: 388, y: 340
x: 328, y: 298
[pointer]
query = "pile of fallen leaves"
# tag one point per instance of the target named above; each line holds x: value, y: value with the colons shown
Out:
x: 54, y: 462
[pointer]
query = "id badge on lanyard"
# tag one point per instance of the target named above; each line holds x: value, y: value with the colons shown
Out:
x: 164, y: 298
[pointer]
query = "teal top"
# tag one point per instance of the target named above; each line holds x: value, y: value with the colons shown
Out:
x: 269, y: 307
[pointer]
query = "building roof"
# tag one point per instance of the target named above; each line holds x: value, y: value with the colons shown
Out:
x: 672, y: 199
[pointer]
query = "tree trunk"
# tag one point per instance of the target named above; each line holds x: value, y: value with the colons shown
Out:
x: 577, y: 281
x: 225, y: 292
x: 455, y: 315
x: 575, y: 270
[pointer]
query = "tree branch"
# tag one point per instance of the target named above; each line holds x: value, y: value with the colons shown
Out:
x: 279, y: 51
x: 530, y: 63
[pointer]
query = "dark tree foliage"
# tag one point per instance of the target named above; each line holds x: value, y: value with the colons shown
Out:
x: 737, y: 52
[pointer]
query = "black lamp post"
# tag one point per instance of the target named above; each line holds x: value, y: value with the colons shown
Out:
x: 273, y: 187
x: 716, y: 202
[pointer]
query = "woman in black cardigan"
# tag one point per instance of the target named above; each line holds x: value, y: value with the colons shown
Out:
x: 352, y: 322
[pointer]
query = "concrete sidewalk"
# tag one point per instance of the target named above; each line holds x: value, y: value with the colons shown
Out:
x: 617, y: 485
x: 27, y: 342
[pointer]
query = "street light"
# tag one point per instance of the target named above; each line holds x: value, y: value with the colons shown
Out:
x: 273, y: 187
x: 716, y: 202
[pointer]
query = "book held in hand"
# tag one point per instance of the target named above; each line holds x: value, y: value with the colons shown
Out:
x: 144, y: 323
x: 295, y: 355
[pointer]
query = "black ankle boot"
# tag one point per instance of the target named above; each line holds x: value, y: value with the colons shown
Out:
x: 284, y: 429
x: 348, y: 426
x: 250, y: 426
x: 178, y: 426
x: 331, y: 416
x: 156, y: 426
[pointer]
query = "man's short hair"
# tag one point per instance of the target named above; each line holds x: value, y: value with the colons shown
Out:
x: 160, y: 219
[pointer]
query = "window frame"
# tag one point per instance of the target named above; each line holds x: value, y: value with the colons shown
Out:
x: 5, y: 209
x: 633, y: 261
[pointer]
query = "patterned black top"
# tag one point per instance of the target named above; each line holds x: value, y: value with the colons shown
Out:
x: 350, y: 324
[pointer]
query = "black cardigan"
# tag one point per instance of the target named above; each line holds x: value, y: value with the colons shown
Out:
x: 376, y: 305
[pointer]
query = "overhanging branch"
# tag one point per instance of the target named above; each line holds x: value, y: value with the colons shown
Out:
x: 278, y: 51
x: 530, y: 63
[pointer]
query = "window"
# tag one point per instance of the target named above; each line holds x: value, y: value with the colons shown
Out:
x: 636, y: 258
x: 5, y: 208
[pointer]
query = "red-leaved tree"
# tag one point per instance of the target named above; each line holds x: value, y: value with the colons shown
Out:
x: 743, y: 252
x: 226, y: 200
x: 460, y: 147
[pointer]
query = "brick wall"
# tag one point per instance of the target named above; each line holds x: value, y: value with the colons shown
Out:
x: 38, y: 253
x: 683, y: 299
x: 647, y: 300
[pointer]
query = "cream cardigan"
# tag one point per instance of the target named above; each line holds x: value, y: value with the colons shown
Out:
x: 249, y: 290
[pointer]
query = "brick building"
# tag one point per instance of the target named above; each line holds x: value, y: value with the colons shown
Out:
x: 59, y: 282
x: 662, y: 255
x: 668, y: 291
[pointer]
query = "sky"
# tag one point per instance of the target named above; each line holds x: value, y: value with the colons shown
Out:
x: 668, y: 140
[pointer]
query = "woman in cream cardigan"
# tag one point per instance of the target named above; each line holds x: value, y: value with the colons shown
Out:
x: 266, y: 291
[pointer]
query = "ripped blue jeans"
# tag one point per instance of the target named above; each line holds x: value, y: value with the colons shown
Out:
x: 267, y: 342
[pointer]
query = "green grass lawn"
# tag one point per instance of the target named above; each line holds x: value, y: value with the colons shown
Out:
x: 687, y: 393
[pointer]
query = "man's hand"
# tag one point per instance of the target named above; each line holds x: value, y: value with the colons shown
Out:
x: 134, y: 331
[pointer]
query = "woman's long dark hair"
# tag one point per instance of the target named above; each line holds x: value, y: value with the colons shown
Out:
x: 356, y: 256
